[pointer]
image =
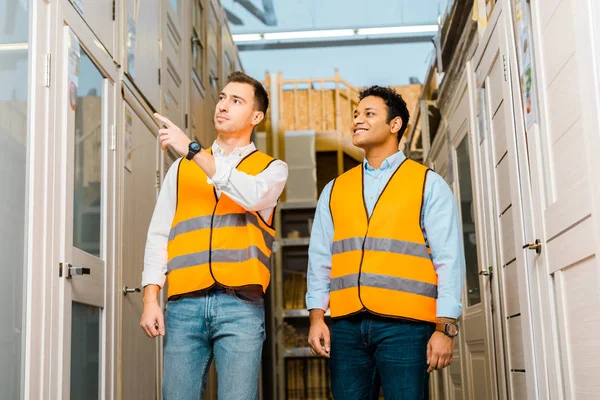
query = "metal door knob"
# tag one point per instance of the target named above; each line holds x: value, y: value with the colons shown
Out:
x: 537, y: 246
x: 130, y: 290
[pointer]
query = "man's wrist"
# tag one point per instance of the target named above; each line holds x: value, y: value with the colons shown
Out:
x: 316, y: 314
x: 447, y: 326
x: 151, y: 294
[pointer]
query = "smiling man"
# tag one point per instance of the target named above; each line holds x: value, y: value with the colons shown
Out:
x: 386, y: 257
x: 212, y: 233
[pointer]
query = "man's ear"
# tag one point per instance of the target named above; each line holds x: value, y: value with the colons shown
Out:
x: 257, y: 117
x: 396, y: 125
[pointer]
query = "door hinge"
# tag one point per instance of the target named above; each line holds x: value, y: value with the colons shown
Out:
x: 505, y: 68
x: 48, y: 69
x: 159, y: 76
x: 157, y: 179
x: 113, y: 10
x: 113, y: 137
x: 186, y: 121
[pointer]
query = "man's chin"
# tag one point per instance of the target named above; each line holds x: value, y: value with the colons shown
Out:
x: 357, y: 142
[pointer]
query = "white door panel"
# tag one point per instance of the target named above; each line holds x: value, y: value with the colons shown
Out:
x: 139, y: 355
x: 172, y: 69
x: 84, y: 224
x: 142, y: 38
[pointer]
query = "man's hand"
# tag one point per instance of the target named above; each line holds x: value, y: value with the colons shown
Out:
x: 153, y: 321
x: 318, y: 335
x: 440, y: 350
x: 172, y: 136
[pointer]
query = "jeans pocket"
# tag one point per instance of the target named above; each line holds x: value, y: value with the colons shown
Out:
x: 247, y: 296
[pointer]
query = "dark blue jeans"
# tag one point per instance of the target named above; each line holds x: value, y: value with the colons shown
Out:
x: 368, y: 351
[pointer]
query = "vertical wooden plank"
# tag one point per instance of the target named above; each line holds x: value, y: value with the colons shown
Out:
x: 308, y: 104
x: 323, y: 109
x: 279, y: 133
x: 338, y: 123
x: 295, y: 91
x: 267, y: 124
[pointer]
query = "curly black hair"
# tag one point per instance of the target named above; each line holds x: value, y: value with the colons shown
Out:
x: 396, y: 106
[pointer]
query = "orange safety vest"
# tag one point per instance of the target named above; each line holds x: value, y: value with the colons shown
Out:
x: 382, y: 264
x: 215, y: 240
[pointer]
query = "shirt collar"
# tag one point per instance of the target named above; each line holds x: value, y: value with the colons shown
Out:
x: 392, y: 161
x: 238, y: 151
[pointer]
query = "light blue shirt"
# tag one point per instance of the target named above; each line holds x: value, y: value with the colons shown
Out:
x: 440, y: 223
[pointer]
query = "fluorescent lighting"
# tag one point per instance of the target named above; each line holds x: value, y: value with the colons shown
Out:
x: 309, y: 34
x: 247, y: 37
x: 333, y: 33
x: 13, y: 46
x: 399, y: 29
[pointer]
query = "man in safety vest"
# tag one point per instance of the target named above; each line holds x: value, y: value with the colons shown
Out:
x: 211, y: 235
x: 386, y: 258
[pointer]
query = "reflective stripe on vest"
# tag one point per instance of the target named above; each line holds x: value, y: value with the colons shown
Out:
x: 382, y: 263
x: 216, y: 240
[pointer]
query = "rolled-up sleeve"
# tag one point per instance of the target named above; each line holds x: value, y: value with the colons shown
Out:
x: 443, y: 231
x: 319, y: 254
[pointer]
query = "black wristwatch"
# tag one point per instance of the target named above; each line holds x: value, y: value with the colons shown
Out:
x: 193, y: 149
x: 449, y: 329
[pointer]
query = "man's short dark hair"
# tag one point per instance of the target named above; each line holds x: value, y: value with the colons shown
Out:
x: 396, y: 106
x: 261, y: 99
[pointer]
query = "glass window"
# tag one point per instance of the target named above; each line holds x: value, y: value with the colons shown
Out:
x: 87, y: 201
x: 85, y: 352
x: 198, y: 40
x: 175, y: 4
x: 14, y: 97
x: 468, y: 222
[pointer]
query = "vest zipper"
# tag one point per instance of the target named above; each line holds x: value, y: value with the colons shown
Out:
x: 362, y: 257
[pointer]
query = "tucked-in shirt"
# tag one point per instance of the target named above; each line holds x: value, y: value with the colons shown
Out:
x: 441, y: 227
x: 255, y: 193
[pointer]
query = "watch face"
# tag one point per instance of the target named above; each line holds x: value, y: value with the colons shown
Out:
x: 194, y: 146
x: 451, y: 329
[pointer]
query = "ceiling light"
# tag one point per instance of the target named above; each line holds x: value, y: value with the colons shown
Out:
x: 399, y: 29
x: 13, y: 46
x: 309, y: 34
x: 248, y: 37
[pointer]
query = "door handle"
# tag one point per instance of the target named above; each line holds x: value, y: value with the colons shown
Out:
x: 130, y: 290
x: 487, y: 272
x: 72, y: 271
x: 537, y: 246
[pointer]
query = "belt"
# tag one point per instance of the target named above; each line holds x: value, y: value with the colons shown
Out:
x: 252, y: 290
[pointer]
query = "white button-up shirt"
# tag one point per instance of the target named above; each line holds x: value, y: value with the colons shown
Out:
x: 255, y: 193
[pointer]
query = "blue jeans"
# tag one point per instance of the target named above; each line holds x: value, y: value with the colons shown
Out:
x: 368, y: 351
x: 222, y: 324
